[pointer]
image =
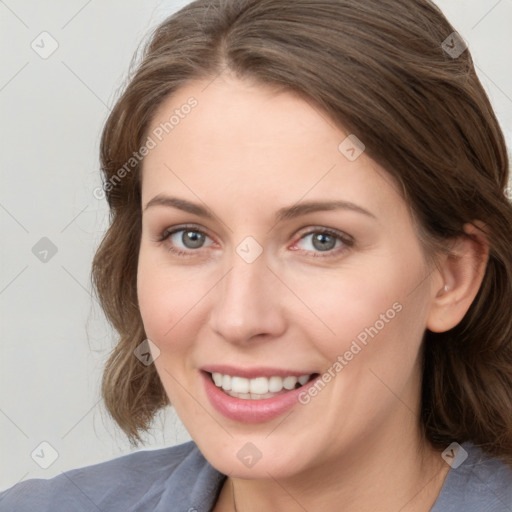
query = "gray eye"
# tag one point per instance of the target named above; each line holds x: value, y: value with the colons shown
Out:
x: 192, y: 239
x: 323, y: 241
x: 187, y: 239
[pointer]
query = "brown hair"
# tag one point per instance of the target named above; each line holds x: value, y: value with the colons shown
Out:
x: 378, y: 68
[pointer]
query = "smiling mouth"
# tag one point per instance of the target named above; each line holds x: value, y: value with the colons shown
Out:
x: 260, y: 387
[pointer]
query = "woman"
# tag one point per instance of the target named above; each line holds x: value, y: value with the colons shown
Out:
x: 310, y: 258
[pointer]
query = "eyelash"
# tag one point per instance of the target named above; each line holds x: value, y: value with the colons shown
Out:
x: 347, y: 241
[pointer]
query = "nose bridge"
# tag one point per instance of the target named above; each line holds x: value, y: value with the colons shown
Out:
x: 244, y: 303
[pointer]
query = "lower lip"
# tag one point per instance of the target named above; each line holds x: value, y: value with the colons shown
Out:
x: 251, y: 411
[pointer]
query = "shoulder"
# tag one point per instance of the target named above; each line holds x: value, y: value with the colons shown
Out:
x: 480, y: 483
x: 132, y: 482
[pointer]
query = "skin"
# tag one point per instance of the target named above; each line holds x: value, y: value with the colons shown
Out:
x: 244, y: 152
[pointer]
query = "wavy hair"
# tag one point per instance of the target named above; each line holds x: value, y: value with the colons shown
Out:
x: 382, y: 69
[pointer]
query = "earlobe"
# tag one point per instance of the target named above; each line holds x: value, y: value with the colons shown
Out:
x: 461, y: 272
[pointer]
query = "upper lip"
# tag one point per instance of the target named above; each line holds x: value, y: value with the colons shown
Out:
x: 252, y: 373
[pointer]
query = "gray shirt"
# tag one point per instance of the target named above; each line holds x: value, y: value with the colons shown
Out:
x: 179, y: 479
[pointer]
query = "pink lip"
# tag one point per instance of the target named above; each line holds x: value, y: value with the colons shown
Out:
x: 252, y: 373
x: 252, y: 411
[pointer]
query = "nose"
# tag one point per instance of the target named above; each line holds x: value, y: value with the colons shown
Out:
x: 246, y: 303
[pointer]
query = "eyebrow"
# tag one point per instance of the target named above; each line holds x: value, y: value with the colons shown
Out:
x: 286, y: 213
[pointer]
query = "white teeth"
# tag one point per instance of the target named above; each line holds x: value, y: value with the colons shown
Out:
x: 226, y: 382
x: 289, y: 382
x: 303, y: 379
x: 275, y: 384
x: 239, y: 385
x: 259, y: 385
x: 257, y: 388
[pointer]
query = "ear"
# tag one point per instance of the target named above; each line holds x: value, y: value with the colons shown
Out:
x: 460, y: 275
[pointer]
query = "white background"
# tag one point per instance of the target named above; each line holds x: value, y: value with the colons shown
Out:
x: 53, y: 337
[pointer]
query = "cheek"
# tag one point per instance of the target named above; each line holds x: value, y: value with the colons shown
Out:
x: 166, y: 307
x: 170, y: 301
x: 159, y: 298
x: 365, y: 309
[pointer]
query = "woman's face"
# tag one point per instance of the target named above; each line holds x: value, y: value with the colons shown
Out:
x: 287, y: 256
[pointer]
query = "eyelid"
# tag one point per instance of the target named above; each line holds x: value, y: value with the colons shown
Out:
x: 346, y: 239
x: 323, y: 229
x: 163, y: 237
x: 175, y: 229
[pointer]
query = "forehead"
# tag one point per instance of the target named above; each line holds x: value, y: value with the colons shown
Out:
x: 241, y: 142
x: 233, y: 112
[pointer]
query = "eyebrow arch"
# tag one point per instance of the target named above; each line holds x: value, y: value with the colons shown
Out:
x: 303, y: 208
x: 180, y: 204
x: 282, y: 214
